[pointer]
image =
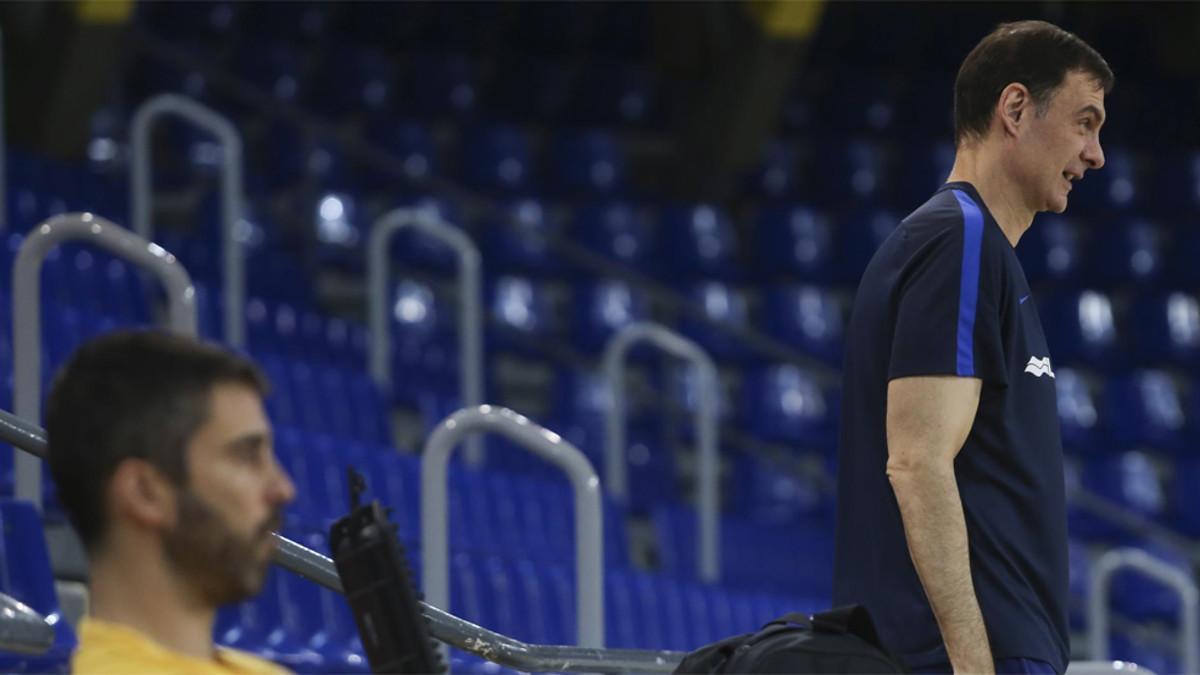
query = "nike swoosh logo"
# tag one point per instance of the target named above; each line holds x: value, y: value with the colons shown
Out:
x: 1023, y: 299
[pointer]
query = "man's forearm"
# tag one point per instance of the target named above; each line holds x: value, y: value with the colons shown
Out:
x: 936, y: 531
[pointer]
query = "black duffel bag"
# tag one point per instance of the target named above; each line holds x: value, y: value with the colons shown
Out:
x: 841, y: 640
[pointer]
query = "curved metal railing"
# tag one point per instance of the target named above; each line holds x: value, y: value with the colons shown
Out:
x: 141, y: 193
x: 589, y: 516
x: 470, y: 314
x: 1168, y: 575
x: 706, y: 419
x: 27, y: 324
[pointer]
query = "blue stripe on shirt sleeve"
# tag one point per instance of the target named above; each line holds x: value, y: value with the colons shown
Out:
x: 968, y: 292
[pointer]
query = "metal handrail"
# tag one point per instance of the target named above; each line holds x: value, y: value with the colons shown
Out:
x: 706, y: 419
x: 1178, y: 580
x: 27, y: 324
x: 589, y: 517
x: 444, y: 626
x: 141, y: 193
x: 23, y: 629
x: 470, y: 314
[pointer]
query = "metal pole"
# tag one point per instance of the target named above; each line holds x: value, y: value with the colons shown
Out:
x: 470, y: 312
x: 22, y: 629
x: 706, y: 420
x: 27, y: 324
x: 589, y: 518
x: 1178, y: 580
x: 141, y: 193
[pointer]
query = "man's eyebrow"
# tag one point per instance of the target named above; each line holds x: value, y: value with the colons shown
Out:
x: 1093, y: 109
x: 254, y: 438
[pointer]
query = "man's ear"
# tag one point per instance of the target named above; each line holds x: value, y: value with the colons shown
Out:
x: 1014, y: 107
x: 141, y: 494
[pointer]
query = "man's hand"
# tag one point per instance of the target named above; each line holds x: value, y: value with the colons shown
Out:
x: 928, y: 419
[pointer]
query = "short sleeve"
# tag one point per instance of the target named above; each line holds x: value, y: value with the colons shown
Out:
x: 948, y: 306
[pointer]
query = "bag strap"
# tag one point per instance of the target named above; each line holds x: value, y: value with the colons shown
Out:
x: 792, y: 618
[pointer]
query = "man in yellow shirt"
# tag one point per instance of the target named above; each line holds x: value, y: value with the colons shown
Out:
x: 162, y: 456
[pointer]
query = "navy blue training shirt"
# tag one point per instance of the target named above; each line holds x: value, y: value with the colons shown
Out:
x: 945, y: 295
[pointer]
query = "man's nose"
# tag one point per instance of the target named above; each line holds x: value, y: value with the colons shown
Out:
x: 1093, y: 155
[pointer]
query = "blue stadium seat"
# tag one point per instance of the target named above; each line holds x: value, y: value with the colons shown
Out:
x: 1130, y: 479
x: 1054, y: 249
x: 725, y: 307
x: 522, y: 310
x: 423, y: 342
x: 796, y: 242
x: 1116, y: 188
x: 1136, y: 252
x: 588, y: 164
x: 1081, y: 328
x: 698, y: 241
x: 277, y: 68
x: 338, y: 229
x: 1177, y: 183
x: 498, y: 159
x: 806, y: 318
x: 926, y: 167
x: 409, y: 142
x: 1184, y: 495
x: 787, y: 404
x: 108, y: 142
x: 211, y: 20
x: 775, y: 177
x: 750, y: 560
x: 326, y: 165
x: 617, y: 96
x: 854, y: 171
x: 533, y: 90
x: 863, y: 231
x: 1165, y: 328
x: 258, y: 626
x: 441, y: 85
x: 601, y: 307
x: 413, y: 248
x: 520, y: 241
x: 860, y: 102
x: 306, y: 22
x: 1079, y: 410
x: 1146, y: 408
x: 616, y: 230
x: 1142, y: 599
x: 1147, y: 653
x: 354, y: 80
x: 28, y: 578
x: 768, y: 491
x: 682, y: 388
x: 286, y: 150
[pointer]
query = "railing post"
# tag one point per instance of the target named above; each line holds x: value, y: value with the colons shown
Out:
x: 142, y: 195
x: 27, y: 324
x: 705, y: 421
x: 1138, y: 560
x: 589, y: 517
x: 470, y: 311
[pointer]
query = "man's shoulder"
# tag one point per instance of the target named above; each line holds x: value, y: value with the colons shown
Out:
x: 112, y: 648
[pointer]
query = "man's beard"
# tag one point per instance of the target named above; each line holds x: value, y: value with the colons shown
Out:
x: 221, y: 565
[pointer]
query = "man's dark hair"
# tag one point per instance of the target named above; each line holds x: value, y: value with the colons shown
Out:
x: 139, y: 394
x: 1034, y: 53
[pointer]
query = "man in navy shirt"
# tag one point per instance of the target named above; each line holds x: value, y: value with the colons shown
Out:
x: 951, y: 504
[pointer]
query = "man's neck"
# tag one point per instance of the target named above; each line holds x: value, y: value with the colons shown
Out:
x: 144, y: 595
x: 999, y: 193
